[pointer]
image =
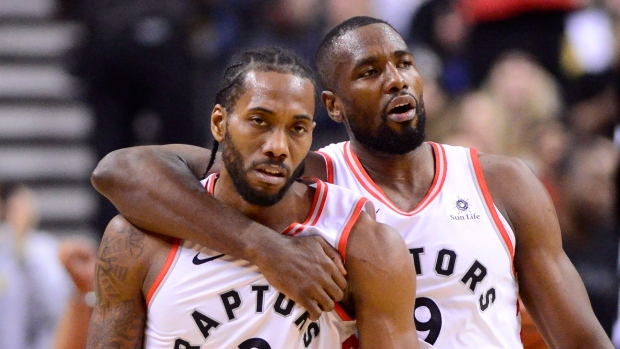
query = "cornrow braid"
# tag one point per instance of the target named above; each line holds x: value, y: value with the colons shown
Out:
x: 270, y: 59
x: 214, y: 147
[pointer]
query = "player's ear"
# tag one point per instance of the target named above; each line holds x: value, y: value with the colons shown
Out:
x: 333, y: 106
x: 218, y: 122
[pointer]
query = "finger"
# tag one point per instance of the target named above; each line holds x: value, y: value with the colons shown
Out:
x: 333, y: 254
x: 313, y: 309
x: 338, y: 274
x: 324, y: 301
x: 335, y: 291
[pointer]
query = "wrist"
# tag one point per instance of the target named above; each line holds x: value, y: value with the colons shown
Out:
x: 90, y: 298
x: 260, y: 244
x: 85, y: 298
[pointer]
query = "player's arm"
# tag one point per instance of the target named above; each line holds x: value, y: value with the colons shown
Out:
x: 119, y: 315
x: 157, y: 189
x: 549, y: 284
x: 381, y: 279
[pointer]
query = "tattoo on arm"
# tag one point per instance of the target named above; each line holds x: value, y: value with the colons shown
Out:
x: 119, y: 316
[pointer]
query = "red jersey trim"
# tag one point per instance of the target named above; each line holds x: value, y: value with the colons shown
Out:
x: 351, y: 343
x: 164, y: 271
x: 441, y: 166
x: 346, y: 231
x: 210, y: 183
x: 341, y: 313
x: 318, y: 204
x: 342, y: 247
x: 329, y: 166
x: 491, y: 206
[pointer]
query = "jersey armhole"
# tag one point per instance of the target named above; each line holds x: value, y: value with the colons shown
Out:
x: 165, y: 270
x: 488, y: 200
x: 342, y: 247
x: 344, y: 236
x: 329, y: 166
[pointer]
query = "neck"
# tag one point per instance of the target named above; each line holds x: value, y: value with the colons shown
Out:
x: 405, y: 179
x: 395, y: 167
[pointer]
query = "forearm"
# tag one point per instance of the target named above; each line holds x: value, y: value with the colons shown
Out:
x: 563, y: 316
x: 159, y: 191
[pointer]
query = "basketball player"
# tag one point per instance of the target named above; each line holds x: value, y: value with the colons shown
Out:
x: 480, y: 228
x: 159, y: 292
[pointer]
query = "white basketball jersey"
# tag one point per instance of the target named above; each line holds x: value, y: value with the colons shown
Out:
x: 461, y: 245
x: 204, y: 299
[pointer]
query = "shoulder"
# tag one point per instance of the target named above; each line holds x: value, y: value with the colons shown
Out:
x: 133, y: 253
x: 380, y: 270
x: 378, y: 241
x: 315, y: 166
x: 500, y: 165
x: 517, y: 192
x: 506, y: 173
x: 508, y: 177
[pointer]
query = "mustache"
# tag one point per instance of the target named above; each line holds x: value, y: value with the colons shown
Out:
x: 271, y: 162
x: 419, y: 107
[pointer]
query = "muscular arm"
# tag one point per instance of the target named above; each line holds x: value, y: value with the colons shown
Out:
x: 381, y: 279
x: 119, y: 315
x: 549, y: 285
x: 157, y: 189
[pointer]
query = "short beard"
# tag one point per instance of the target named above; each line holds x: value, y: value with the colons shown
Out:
x: 233, y: 161
x: 386, y: 140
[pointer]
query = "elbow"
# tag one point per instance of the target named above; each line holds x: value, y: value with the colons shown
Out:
x: 113, y: 168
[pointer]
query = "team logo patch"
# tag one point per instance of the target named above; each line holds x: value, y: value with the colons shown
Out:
x: 462, y: 210
x: 462, y: 205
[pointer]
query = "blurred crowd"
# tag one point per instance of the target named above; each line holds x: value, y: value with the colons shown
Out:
x: 536, y: 79
x: 41, y: 275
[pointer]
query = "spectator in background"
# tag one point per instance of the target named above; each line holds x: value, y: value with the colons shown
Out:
x: 528, y: 95
x: 438, y: 29
x: 13, y: 304
x: 550, y: 143
x: 586, y: 214
x: 477, y: 121
x: 592, y: 106
x: 533, y: 26
x: 506, y: 114
x: 78, y: 257
x: 137, y: 67
x: 34, y: 287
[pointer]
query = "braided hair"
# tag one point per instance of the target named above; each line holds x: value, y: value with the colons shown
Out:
x: 270, y: 59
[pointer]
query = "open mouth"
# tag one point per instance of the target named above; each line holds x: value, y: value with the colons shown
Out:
x: 271, y: 172
x: 401, y: 108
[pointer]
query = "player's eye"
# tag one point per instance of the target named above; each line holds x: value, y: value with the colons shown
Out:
x: 406, y: 64
x: 300, y: 129
x: 258, y: 121
x: 368, y: 72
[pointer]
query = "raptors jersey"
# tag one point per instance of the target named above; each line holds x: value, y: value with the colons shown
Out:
x: 461, y: 245
x: 204, y: 299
